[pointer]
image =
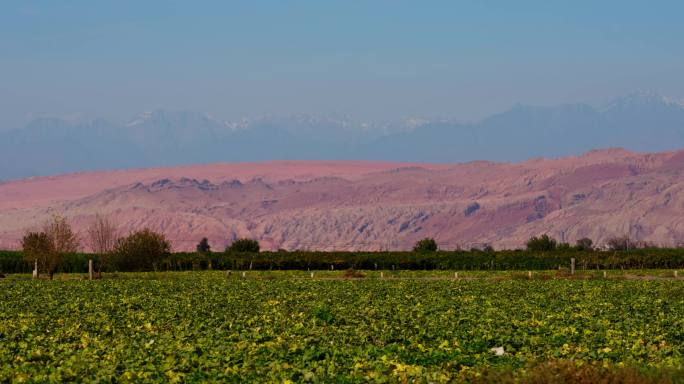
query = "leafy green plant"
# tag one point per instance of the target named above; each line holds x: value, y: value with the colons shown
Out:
x: 244, y: 246
x: 427, y: 244
x: 324, y: 314
x: 141, y: 250
x: 542, y: 243
x: 202, y: 326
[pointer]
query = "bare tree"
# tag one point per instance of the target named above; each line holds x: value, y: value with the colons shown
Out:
x: 622, y: 243
x: 102, y: 238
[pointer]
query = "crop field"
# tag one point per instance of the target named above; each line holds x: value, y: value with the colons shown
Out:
x: 286, y: 326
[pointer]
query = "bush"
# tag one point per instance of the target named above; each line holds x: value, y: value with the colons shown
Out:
x: 142, y: 250
x: 244, y: 246
x: 542, y: 243
x: 584, y: 244
x: 427, y: 244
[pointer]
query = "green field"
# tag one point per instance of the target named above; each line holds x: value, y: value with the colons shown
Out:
x: 285, y: 326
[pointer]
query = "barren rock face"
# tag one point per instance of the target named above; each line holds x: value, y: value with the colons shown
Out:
x: 364, y: 205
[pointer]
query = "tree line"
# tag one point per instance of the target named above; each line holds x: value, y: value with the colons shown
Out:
x: 54, y: 248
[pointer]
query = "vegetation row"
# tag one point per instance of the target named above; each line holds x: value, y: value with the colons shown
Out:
x: 16, y: 261
x: 55, y: 249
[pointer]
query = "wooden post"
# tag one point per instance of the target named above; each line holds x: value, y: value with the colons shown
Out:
x: 456, y: 275
x: 605, y: 274
x: 529, y: 274
x: 244, y: 274
x: 35, y: 269
x: 572, y: 266
x: 675, y: 274
x: 312, y: 275
x: 90, y: 269
x: 382, y: 275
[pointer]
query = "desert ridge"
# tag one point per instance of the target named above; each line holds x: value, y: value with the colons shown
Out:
x: 359, y: 205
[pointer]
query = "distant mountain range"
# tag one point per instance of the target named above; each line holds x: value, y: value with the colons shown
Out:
x: 337, y: 205
x: 47, y: 146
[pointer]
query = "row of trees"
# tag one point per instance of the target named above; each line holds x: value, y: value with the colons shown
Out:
x: 145, y: 249
x: 621, y: 243
x: 546, y: 243
x: 139, y: 250
x: 543, y: 243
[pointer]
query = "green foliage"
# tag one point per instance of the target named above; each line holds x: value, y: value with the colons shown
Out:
x: 542, y: 243
x: 427, y: 244
x: 141, y: 250
x: 244, y: 246
x: 205, y: 327
x: 662, y: 258
x: 323, y: 313
x: 39, y: 248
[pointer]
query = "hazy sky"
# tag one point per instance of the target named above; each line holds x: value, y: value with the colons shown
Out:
x: 369, y: 60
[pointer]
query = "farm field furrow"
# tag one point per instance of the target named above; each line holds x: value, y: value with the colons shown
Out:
x: 204, y: 326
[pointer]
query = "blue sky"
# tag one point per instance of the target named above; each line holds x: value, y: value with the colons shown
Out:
x: 369, y: 60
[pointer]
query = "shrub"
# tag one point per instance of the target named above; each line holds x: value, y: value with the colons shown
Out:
x: 541, y: 243
x: 141, y: 250
x: 427, y: 244
x: 584, y: 244
x: 244, y: 246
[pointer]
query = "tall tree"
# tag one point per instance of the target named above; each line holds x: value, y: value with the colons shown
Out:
x: 63, y: 239
x: 102, y: 237
x: 38, y: 251
x: 47, y: 248
x: 203, y: 246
